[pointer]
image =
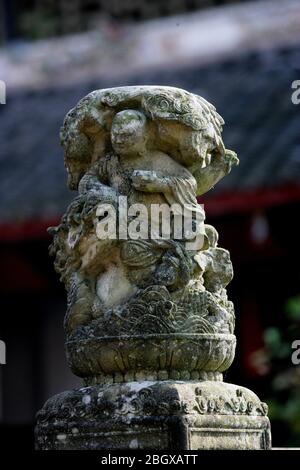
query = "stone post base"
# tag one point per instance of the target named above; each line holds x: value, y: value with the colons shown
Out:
x: 154, y: 416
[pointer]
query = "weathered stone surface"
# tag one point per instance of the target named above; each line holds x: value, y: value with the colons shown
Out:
x: 155, y: 415
x: 177, y: 355
x: 147, y: 297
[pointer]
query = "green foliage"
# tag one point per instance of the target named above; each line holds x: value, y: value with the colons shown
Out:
x: 284, y: 405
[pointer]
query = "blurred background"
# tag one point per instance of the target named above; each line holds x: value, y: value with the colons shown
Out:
x: 241, y: 56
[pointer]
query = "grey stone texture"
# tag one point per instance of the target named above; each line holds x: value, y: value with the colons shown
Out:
x: 149, y: 326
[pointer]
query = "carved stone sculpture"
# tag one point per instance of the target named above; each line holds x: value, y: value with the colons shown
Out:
x: 149, y: 325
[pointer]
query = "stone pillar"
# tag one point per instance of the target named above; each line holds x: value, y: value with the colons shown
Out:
x: 149, y: 326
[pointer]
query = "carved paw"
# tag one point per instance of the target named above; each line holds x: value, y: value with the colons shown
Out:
x: 145, y: 180
x: 231, y: 159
